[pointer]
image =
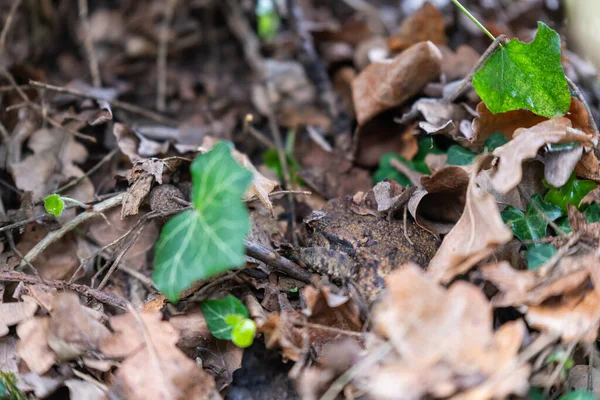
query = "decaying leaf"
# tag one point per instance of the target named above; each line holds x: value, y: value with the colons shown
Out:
x: 33, y: 348
x: 153, y: 366
x: 426, y: 24
x: 13, y: 313
x: 73, y: 328
x: 439, y: 205
x: 525, y: 145
x: 55, y: 153
x: 477, y: 233
x: 427, y: 326
x: 382, y: 86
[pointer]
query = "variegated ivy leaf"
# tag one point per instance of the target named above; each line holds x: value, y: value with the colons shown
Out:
x: 209, y: 239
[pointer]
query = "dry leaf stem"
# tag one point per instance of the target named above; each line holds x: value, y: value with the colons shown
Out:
x: 132, y: 108
x: 84, y: 290
x: 161, y: 56
x: 53, y: 236
x: 8, y: 24
x: 243, y: 32
x: 89, y: 44
x: 39, y: 110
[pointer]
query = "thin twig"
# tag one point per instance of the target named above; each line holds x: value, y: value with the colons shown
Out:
x: 241, y: 29
x: 53, y: 236
x: 89, y: 44
x: 161, y: 56
x: 132, y: 108
x: 8, y: 24
x: 327, y: 328
x: 40, y: 111
x: 89, y: 172
x: 490, y: 50
x: 299, y: 192
x: 275, y: 260
x: 102, y: 297
x: 317, y: 72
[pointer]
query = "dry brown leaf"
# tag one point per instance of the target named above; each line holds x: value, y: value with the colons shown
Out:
x: 382, y: 135
x: 477, y: 233
x: 382, y: 86
x: 33, y: 347
x: 109, y: 229
x: 533, y: 174
x: 156, y: 369
x: 425, y: 24
x: 457, y: 64
x: 135, y: 146
x: 488, y: 123
x: 575, y: 318
x: 439, y: 205
x: 13, y: 313
x: 525, y: 145
x: 55, y: 152
x: 221, y: 358
x: 58, y: 261
x: 588, y: 167
x: 73, y: 328
x: 590, y: 231
x: 441, y: 117
x: 427, y: 326
x: 525, y: 287
x: 82, y: 390
x: 9, y: 359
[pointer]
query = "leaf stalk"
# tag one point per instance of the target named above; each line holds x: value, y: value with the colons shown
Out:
x: 472, y: 18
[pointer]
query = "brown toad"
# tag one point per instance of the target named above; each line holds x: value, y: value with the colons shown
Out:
x: 354, y: 242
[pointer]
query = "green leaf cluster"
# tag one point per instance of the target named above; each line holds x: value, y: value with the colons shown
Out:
x: 532, y: 225
x: 571, y: 192
x: 525, y: 76
x: 227, y: 319
x: 209, y: 239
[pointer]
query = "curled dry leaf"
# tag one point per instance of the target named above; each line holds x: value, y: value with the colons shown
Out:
x: 575, y: 318
x: 55, y: 153
x: 425, y: 24
x: 153, y: 368
x: 526, y: 287
x: 221, y: 358
x: 427, y: 326
x: 382, y: 86
x: 439, y: 205
x: 477, y: 233
x: 73, y: 328
x: 441, y: 117
x: 33, y: 347
x: 457, y: 64
x: 13, y: 313
x: 525, y: 145
x: 487, y: 123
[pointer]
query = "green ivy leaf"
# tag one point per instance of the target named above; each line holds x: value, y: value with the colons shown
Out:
x: 591, y: 212
x: 458, y: 155
x: 54, y: 204
x: 209, y: 239
x: 525, y: 75
x: 494, y: 141
x: 535, y: 394
x: 531, y: 225
x: 216, y: 313
x: 579, y: 395
x: 538, y: 254
x: 243, y: 333
x: 386, y: 171
x: 571, y: 192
